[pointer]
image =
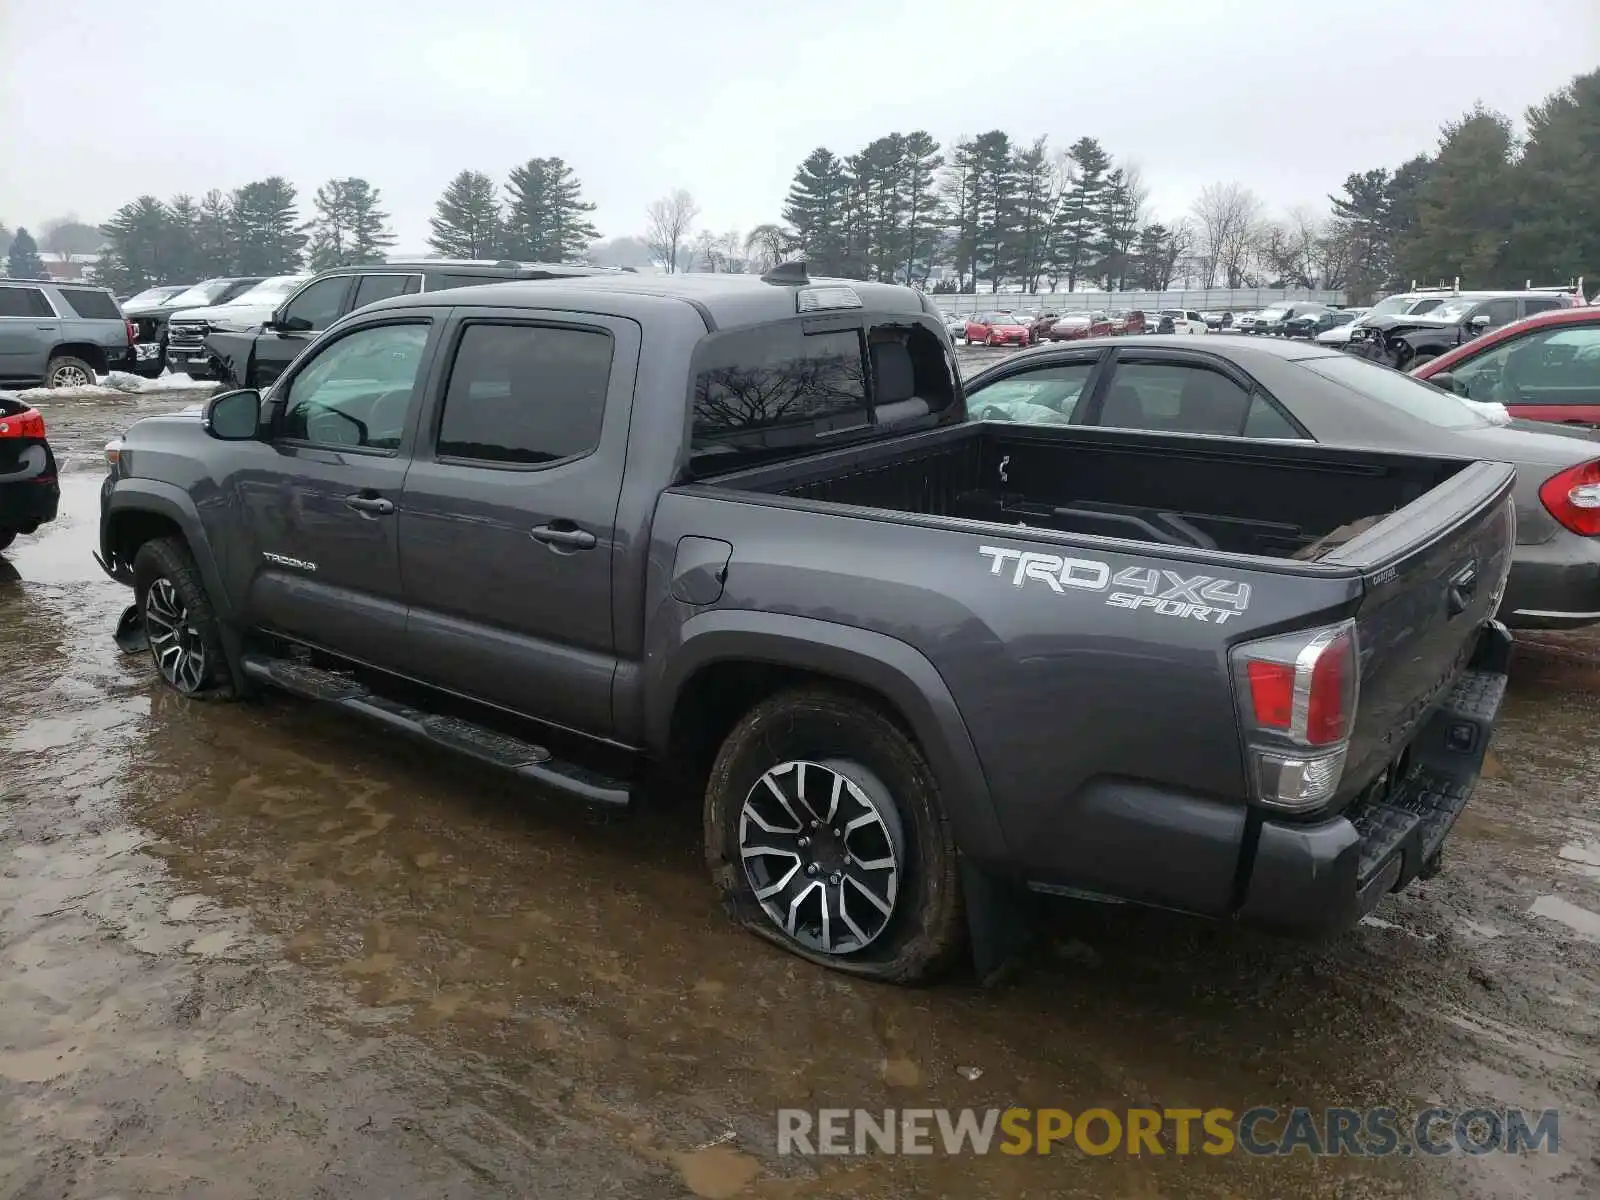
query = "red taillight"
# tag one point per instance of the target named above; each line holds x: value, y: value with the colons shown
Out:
x: 29, y: 423
x: 1271, y: 692
x: 1573, y: 498
x: 132, y: 333
x: 1327, y: 721
x: 1298, y: 708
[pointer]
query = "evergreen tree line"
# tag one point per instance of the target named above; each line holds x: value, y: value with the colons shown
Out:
x: 995, y: 211
x: 257, y: 229
x: 253, y: 230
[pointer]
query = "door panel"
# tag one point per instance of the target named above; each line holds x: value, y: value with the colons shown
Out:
x: 321, y: 501
x: 508, y: 519
x: 28, y: 328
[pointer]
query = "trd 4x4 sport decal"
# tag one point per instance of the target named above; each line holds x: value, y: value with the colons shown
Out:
x: 1163, y: 592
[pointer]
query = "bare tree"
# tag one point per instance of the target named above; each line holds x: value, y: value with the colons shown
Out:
x: 1229, y: 225
x: 1306, y: 228
x: 670, y: 219
x: 767, y: 246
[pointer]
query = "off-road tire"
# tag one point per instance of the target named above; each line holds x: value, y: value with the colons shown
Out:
x: 64, y: 364
x: 169, y: 560
x: 926, y: 932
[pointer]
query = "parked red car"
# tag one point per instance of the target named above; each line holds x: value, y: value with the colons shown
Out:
x: 998, y: 329
x: 1128, y: 322
x: 1080, y: 325
x: 1542, y: 368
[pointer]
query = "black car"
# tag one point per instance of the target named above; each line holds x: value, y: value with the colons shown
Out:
x: 1409, y: 340
x: 149, y: 311
x: 255, y: 357
x: 29, y: 492
x: 1308, y: 325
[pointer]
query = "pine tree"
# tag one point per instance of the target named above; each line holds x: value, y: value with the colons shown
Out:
x: 267, y: 235
x: 1554, y: 234
x: 1119, y: 229
x: 1466, y: 206
x: 180, y: 256
x: 919, y: 172
x: 22, y: 259
x: 348, y: 228
x: 5, y: 240
x: 1035, y: 210
x: 546, y: 218
x: 876, y: 237
x: 466, y: 223
x: 213, y: 236
x: 1081, y: 218
x: 815, y: 210
x: 996, y: 206
x: 138, y: 237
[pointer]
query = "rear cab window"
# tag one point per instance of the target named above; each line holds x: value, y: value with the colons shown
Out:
x: 798, y: 387
x: 91, y: 304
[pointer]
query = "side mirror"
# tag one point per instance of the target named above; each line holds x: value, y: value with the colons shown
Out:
x: 233, y: 416
x: 1480, y: 322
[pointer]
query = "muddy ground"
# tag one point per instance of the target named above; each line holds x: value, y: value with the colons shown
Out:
x: 258, y: 951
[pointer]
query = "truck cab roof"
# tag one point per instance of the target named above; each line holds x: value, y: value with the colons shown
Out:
x: 723, y: 301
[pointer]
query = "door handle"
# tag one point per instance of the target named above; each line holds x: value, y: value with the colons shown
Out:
x: 1462, y: 589
x: 374, y: 505
x: 564, y: 535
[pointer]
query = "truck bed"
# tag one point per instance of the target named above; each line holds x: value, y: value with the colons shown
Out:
x: 1272, y: 499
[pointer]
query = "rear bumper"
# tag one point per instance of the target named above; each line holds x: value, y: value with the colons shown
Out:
x: 1315, y: 880
x: 1554, y: 584
x: 30, y: 494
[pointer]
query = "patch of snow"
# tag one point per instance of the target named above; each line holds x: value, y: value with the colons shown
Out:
x: 118, y: 383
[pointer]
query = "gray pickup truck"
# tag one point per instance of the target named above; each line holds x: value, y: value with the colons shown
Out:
x: 739, y: 531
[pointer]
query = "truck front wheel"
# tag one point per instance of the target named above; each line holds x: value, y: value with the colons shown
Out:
x: 179, y: 622
x: 825, y: 833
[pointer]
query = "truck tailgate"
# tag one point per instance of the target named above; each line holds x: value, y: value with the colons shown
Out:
x: 1433, y: 572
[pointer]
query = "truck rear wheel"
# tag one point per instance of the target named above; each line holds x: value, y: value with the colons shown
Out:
x: 179, y: 622
x: 825, y: 833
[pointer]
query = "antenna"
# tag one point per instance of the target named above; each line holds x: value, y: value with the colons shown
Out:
x: 788, y: 274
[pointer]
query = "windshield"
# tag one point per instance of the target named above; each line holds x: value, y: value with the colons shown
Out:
x: 149, y: 296
x: 1388, y: 386
x: 1391, y: 304
x: 199, y: 294
x: 270, y: 291
x: 1451, y: 310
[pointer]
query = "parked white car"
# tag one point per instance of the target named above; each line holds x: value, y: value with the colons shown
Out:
x: 1184, y: 320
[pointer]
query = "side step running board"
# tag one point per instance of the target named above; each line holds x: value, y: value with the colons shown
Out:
x: 531, y: 762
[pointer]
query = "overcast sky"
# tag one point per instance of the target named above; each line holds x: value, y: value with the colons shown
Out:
x: 101, y: 100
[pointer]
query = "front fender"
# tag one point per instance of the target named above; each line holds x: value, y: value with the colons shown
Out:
x: 868, y: 659
x: 135, y: 495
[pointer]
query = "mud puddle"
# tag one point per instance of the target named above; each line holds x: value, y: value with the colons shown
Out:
x: 252, y: 950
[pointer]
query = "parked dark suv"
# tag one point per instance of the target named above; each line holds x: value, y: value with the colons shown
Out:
x: 1408, y: 340
x: 255, y: 357
x: 151, y: 317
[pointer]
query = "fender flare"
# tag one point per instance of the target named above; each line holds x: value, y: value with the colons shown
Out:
x: 164, y: 499
x: 876, y: 661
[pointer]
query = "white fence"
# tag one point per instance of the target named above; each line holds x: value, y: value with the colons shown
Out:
x: 1207, y: 299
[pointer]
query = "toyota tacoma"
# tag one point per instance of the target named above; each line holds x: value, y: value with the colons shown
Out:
x: 738, y: 531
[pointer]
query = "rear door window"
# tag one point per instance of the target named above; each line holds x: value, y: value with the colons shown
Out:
x: 1499, y: 312
x: 373, y: 288
x: 1174, y: 397
x: 91, y: 304
x: 525, y: 394
x: 24, y: 302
